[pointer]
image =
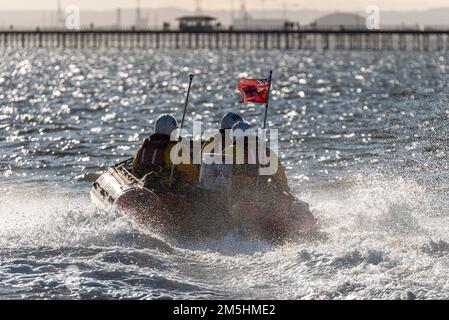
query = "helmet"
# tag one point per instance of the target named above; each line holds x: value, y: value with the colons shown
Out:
x: 229, y: 120
x: 242, y: 126
x: 165, y: 124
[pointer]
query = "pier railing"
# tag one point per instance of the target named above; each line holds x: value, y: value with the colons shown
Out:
x: 313, y: 39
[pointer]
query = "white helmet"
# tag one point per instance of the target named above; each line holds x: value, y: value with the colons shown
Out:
x: 243, y: 126
x: 165, y: 124
x: 229, y: 120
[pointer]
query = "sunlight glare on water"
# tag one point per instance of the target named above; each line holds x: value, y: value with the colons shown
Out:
x: 363, y: 138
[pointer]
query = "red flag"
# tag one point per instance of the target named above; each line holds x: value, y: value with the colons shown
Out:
x: 254, y: 90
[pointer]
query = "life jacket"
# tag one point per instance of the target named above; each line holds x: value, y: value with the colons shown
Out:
x: 250, y: 165
x: 212, y: 140
x: 246, y: 175
x: 152, y: 155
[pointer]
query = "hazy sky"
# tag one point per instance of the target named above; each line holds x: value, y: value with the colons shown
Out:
x: 226, y: 4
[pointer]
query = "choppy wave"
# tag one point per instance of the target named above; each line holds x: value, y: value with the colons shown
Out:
x: 363, y: 138
x: 380, y: 243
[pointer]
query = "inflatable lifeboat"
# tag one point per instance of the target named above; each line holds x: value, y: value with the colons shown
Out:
x: 203, y: 210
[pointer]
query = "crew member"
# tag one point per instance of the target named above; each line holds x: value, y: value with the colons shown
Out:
x: 155, y: 155
x: 223, y: 136
x: 246, y: 175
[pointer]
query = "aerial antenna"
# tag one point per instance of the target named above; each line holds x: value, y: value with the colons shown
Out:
x: 284, y: 10
x: 244, y: 13
x: 43, y: 19
x: 138, y: 16
x: 232, y: 12
x: 263, y: 9
x: 119, y: 18
x: 198, y: 6
x: 59, y: 15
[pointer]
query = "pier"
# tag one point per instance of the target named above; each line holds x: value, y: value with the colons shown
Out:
x: 308, y: 39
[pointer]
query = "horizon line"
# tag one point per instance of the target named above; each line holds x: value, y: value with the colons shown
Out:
x: 227, y: 10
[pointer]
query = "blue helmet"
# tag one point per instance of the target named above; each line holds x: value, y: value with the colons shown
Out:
x: 243, y: 126
x: 165, y: 124
x: 229, y: 120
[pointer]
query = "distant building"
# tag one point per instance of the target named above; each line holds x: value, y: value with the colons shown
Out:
x: 340, y: 20
x: 246, y: 22
x: 196, y: 23
x: 249, y: 23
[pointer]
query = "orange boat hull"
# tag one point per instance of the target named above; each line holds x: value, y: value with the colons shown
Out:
x: 203, y: 213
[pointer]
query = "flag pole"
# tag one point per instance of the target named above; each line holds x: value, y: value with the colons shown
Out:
x: 182, y: 126
x: 268, y: 99
x: 265, y: 120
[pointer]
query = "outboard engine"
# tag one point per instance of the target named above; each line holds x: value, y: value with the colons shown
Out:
x: 216, y: 173
x: 210, y: 205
